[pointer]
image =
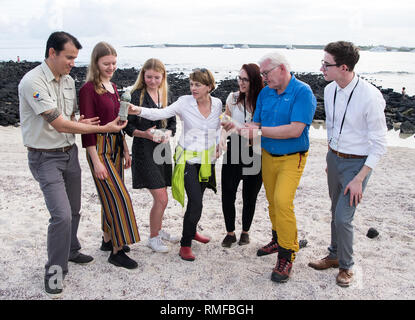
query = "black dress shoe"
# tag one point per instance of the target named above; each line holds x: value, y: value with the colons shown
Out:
x: 53, y: 289
x: 227, y: 242
x: 81, y: 259
x: 120, y: 259
x: 107, y: 246
x: 244, y: 239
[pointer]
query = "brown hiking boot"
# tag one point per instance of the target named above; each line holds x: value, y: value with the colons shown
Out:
x: 282, y: 270
x: 271, y: 247
x: 344, y: 278
x: 324, y: 263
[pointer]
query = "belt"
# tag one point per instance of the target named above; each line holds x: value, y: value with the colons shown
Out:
x: 288, y: 154
x: 346, y: 156
x: 63, y: 149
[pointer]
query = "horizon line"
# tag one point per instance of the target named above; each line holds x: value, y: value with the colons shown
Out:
x: 286, y: 46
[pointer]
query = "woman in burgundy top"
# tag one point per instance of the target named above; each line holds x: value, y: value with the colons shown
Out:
x: 105, y: 155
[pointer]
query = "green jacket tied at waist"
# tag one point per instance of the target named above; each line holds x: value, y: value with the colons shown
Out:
x: 180, y: 157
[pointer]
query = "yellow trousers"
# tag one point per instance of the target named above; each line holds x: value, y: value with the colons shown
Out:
x: 281, y: 177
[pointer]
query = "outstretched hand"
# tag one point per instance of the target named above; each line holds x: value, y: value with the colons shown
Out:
x: 228, y: 125
x: 116, y: 125
x: 92, y: 121
x: 134, y: 110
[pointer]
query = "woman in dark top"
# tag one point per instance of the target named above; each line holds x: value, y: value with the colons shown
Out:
x: 240, y: 106
x: 152, y: 157
x: 106, y: 154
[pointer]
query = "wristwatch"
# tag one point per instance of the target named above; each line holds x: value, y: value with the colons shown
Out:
x: 260, y: 130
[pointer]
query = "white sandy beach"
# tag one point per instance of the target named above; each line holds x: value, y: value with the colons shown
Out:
x: 384, y: 266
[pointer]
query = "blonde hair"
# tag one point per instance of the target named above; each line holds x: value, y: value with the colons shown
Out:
x: 100, y: 50
x: 203, y: 76
x: 140, y: 84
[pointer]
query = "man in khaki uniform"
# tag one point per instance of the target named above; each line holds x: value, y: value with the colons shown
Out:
x: 47, y: 107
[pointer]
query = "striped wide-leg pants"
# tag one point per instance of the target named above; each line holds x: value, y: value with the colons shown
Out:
x: 117, y: 212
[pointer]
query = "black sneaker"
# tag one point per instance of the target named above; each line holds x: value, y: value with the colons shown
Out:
x: 107, y: 246
x: 120, y: 259
x: 244, y: 239
x: 227, y: 242
x: 270, y: 248
x: 81, y: 259
x: 53, y: 288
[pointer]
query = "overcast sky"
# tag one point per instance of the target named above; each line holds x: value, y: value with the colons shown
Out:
x: 214, y: 21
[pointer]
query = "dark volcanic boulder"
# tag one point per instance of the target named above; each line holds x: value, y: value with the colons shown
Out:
x: 224, y: 88
x: 407, y: 127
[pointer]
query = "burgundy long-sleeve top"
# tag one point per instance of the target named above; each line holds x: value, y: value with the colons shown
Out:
x: 91, y: 104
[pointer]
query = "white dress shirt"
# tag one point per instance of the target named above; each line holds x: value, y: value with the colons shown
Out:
x: 198, y: 133
x: 364, y: 129
x: 237, y: 110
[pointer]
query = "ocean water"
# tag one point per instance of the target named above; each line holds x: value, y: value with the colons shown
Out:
x: 393, y: 137
x: 387, y: 69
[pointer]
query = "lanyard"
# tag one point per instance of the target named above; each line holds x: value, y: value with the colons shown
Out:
x: 334, y: 106
x: 244, y: 111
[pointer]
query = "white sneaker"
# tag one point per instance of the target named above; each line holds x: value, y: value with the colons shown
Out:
x: 168, y: 237
x: 157, y: 244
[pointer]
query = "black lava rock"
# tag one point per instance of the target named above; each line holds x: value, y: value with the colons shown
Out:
x: 372, y: 233
x: 399, y: 108
x: 302, y: 243
x: 408, y: 127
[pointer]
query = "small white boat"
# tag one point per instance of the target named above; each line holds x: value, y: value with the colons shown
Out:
x: 378, y: 49
x: 158, y: 46
x: 228, y: 46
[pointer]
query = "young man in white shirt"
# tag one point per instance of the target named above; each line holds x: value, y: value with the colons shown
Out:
x: 356, y: 132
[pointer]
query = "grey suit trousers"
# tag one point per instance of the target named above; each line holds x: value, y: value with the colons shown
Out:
x: 59, y: 177
x: 340, y: 172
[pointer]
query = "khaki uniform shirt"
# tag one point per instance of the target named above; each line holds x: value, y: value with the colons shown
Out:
x: 39, y: 92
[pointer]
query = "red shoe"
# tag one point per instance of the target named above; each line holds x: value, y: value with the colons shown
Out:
x: 186, y: 253
x: 200, y: 238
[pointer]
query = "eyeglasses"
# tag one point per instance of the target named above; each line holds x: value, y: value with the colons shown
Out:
x: 265, y: 73
x: 200, y: 70
x: 244, y: 80
x: 325, y: 65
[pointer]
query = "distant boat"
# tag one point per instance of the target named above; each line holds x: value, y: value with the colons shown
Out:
x: 158, y: 46
x: 244, y: 46
x: 228, y: 46
x: 378, y: 49
x: 289, y: 47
